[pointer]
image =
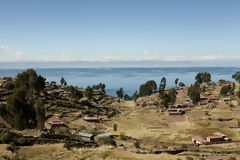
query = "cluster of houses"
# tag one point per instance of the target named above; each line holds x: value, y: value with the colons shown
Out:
x: 215, y: 139
x: 205, y: 100
x: 55, y: 122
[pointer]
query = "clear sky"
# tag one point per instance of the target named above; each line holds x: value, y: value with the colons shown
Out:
x: 105, y: 30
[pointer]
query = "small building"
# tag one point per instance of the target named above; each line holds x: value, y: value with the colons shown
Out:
x: 84, y: 136
x: 54, y: 123
x: 226, y: 99
x: 99, y: 106
x: 92, y: 119
x: 213, y: 99
x: 203, y: 98
x: 176, y: 111
x: 199, y: 140
x: 214, y: 139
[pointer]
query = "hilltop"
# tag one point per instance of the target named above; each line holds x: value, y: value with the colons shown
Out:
x: 80, y: 123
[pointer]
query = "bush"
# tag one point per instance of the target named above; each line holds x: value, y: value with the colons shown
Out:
x: 81, y: 128
x: 21, y: 141
x: 137, y: 144
x: 106, y: 141
x: 225, y: 90
x: 232, y: 158
x: 12, y: 147
x: 5, y: 138
x: 123, y: 136
x: 104, y: 155
x: 68, y: 145
x: 184, y: 146
x: 189, y: 158
x: 9, y: 86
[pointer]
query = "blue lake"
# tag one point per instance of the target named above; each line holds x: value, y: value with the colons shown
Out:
x: 128, y: 78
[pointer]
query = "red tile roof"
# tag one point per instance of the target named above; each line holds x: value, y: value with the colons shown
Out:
x: 199, y: 139
x: 55, y: 121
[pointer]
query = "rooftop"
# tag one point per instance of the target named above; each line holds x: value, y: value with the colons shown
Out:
x: 107, y: 134
x: 199, y: 139
x: 83, y: 134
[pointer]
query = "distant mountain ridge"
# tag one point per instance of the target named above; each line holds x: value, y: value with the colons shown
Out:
x: 96, y: 64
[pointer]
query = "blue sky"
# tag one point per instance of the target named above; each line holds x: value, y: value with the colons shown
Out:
x: 119, y: 30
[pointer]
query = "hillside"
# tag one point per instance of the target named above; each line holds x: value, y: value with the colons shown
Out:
x: 144, y: 128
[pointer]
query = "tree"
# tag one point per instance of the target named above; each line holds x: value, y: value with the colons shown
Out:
x: 236, y: 76
x: 75, y: 93
x: 100, y: 87
x: 165, y: 100
x: 9, y: 86
x: 203, y: 89
x: 194, y: 92
x: 238, y: 93
x: 206, y: 77
x: 20, y: 111
x: 198, y: 78
x: 172, y: 95
x: 137, y: 144
x: 181, y: 84
x: 162, y: 87
x: 120, y: 93
x: 147, y: 88
x: 127, y: 97
x: 89, y: 92
x: 62, y: 81
x: 40, y: 114
x: 203, y: 77
x: 225, y: 90
x: 30, y: 81
x: 21, y: 114
x: 135, y: 96
x: 176, y: 81
x: 233, y: 87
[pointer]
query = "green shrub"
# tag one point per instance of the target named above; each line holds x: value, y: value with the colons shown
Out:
x: 5, y: 138
x: 68, y: 145
x: 104, y: 155
x: 189, y: 158
x: 123, y: 136
x: 137, y: 144
x: 232, y: 158
x: 21, y: 141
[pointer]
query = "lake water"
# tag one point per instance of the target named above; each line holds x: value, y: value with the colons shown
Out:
x: 128, y: 78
